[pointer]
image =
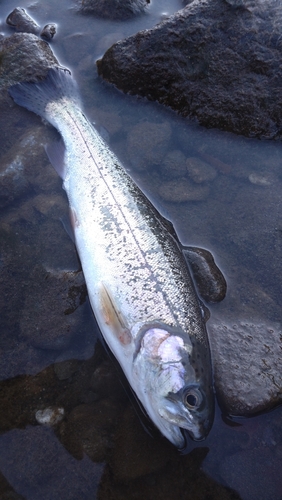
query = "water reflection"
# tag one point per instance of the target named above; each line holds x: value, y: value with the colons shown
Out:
x: 49, y: 355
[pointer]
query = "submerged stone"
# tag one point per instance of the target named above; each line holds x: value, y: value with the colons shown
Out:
x: 182, y: 190
x: 114, y: 9
x: 173, y: 165
x: 50, y: 416
x: 199, y: 171
x: 51, y: 315
x: 147, y: 143
x: 211, y: 61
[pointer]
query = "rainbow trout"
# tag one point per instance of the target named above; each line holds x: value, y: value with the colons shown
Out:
x: 137, y: 278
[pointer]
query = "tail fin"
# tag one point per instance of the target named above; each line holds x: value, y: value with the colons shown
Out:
x: 35, y: 96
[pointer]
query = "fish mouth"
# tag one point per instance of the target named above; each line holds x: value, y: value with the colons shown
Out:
x: 188, y: 439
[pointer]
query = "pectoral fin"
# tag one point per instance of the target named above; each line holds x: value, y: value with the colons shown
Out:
x: 113, y: 317
x: 209, y: 279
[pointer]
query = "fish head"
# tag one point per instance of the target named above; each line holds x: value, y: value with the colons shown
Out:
x: 176, y: 381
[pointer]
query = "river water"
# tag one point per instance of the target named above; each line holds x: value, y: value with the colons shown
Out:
x: 50, y: 353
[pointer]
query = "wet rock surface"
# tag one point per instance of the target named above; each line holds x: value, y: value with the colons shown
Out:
x: 251, y: 352
x: 114, y: 9
x: 49, y: 31
x: 21, y: 21
x: 211, y: 61
x: 24, y: 57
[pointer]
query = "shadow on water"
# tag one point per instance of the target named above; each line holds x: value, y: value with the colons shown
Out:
x: 226, y: 198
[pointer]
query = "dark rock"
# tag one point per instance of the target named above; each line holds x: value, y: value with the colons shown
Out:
x: 49, y: 31
x: 89, y: 429
x: 51, y: 314
x: 211, y: 61
x: 181, y: 477
x: 21, y: 21
x: 66, y: 368
x: 105, y: 382
x: 23, y: 56
x: 247, y: 365
x: 114, y: 9
x: 135, y: 453
x: 210, y: 281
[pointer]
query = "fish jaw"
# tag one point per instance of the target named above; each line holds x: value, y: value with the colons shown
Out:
x: 177, y: 400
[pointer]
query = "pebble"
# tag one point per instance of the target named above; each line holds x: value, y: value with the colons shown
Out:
x: 50, y: 416
x: 260, y: 180
x: 199, y: 171
x: 49, y: 31
x: 174, y: 164
x: 182, y: 190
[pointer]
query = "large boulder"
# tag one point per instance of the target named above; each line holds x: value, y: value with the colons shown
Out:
x: 214, y: 60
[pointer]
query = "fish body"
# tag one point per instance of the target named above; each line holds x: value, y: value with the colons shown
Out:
x: 138, y: 282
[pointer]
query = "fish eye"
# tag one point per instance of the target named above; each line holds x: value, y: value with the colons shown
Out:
x: 192, y: 399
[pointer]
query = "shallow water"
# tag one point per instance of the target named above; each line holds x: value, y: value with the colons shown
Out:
x: 50, y: 356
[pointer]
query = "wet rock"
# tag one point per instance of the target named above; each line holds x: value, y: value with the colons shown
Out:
x: 24, y: 57
x: 50, y: 416
x: 89, y: 429
x: 65, y: 369
x: 114, y: 9
x: 147, y: 143
x: 105, y: 381
x: 51, y: 315
x: 21, y: 21
x: 45, y: 466
x: 181, y: 477
x: 209, y: 279
x: 200, y: 171
x: 247, y: 365
x: 135, y: 453
x: 49, y: 31
x: 182, y: 190
x: 210, y: 61
x: 173, y: 165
